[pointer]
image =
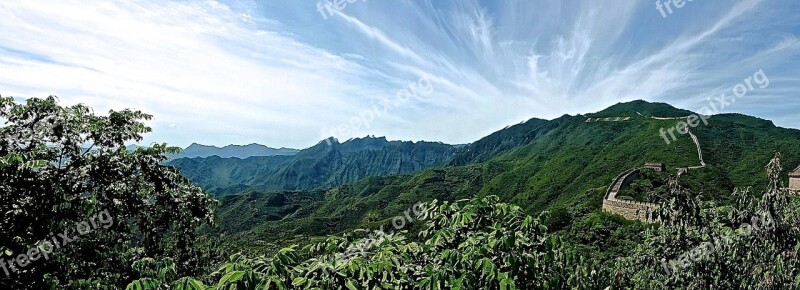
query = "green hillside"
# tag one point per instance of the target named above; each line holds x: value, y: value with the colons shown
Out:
x: 227, y: 175
x: 564, y: 167
x: 501, y: 142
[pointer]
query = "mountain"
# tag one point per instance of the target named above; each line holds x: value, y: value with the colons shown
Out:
x: 500, y: 142
x: 563, y: 166
x: 324, y: 165
x: 233, y: 151
x: 514, y: 136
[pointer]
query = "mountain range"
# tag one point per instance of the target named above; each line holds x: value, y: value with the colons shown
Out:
x: 327, y: 164
x: 232, y: 151
x: 562, y: 166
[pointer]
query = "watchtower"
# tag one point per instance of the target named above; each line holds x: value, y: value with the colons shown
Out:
x: 660, y: 167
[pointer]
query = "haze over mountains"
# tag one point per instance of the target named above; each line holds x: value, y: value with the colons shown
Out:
x: 321, y: 166
x: 233, y: 151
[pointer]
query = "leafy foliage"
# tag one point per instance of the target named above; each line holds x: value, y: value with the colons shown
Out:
x: 649, y: 186
x: 482, y: 243
x: 468, y: 244
x: 64, y: 165
x: 751, y: 245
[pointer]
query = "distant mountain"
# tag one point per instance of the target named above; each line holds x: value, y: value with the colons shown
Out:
x: 233, y: 151
x: 327, y: 164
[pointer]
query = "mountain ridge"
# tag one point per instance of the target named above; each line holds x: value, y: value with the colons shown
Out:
x: 320, y: 166
x: 232, y: 151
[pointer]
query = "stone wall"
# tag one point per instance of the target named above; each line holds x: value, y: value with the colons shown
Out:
x: 630, y: 178
x: 610, y: 119
x: 632, y: 210
x: 619, y: 181
x: 659, y: 167
x: 794, y: 183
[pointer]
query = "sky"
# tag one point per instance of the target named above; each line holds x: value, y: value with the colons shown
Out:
x: 291, y: 73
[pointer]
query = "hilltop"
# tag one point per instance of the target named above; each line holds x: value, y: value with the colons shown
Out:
x: 641, y: 108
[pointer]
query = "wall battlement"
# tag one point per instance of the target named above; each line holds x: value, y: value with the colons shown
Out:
x: 633, y: 210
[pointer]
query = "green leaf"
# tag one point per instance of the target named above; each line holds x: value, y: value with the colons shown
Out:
x: 350, y: 285
x: 299, y: 281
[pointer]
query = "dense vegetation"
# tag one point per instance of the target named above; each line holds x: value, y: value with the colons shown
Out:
x: 327, y: 164
x: 564, y: 167
x: 81, y: 218
x: 519, y: 209
x: 485, y: 244
x: 649, y: 186
x: 752, y: 244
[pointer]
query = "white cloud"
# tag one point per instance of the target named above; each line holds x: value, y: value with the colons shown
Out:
x: 196, y: 65
x: 275, y: 72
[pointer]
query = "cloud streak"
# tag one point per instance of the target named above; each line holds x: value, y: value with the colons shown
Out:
x: 276, y: 73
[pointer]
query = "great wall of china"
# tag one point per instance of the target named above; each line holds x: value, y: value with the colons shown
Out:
x: 647, y: 212
x: 635, y: 210
x: 632, y: 210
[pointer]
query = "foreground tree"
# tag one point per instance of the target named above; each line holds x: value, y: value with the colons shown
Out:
x: 753, y: 244
x: 470, y: 244
x: 73, y: 193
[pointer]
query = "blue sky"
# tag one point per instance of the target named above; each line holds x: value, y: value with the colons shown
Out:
x: 280, y: 73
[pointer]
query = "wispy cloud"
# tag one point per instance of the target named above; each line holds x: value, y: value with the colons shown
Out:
x: 201, y: 67
x: 275, y: 72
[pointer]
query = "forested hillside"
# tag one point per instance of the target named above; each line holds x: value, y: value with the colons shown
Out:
x: 564, y: 168
x: 324, y: 165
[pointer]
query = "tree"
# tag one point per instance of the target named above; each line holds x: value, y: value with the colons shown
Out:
x: 753, y: 244
x: 478, y: 243
x: 68, y: 182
